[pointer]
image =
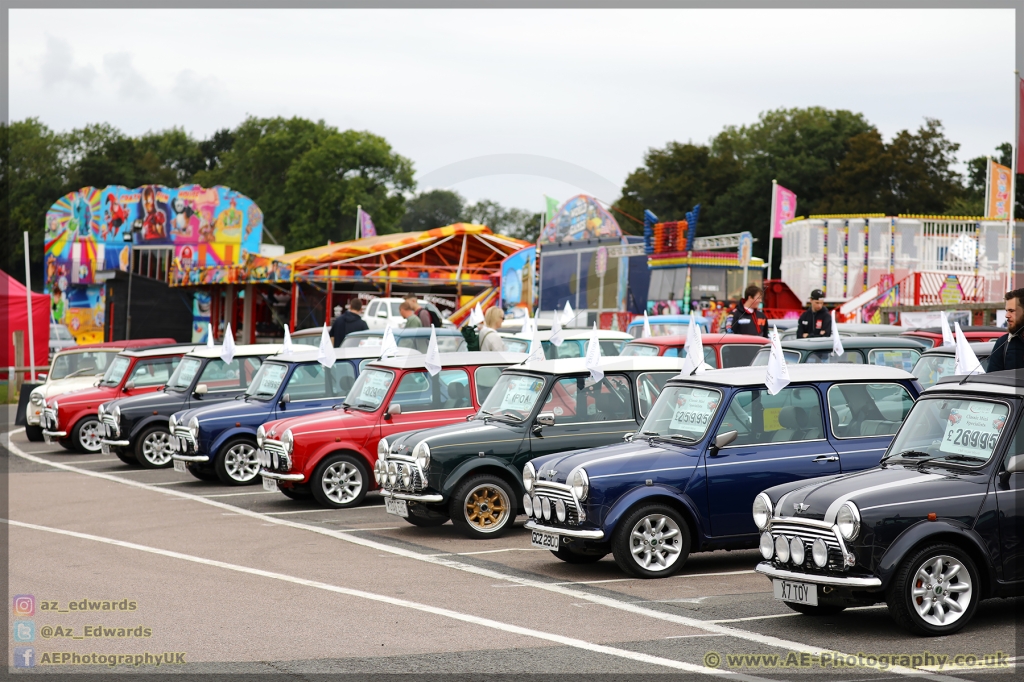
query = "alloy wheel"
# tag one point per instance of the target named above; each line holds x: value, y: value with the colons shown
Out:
x: 240, y: 462
x: 89, y: 435
x: 156, y: 448
x: 941, y: 591
x: 654, y: 542
x: 342, y: 482
x: 487, y: 507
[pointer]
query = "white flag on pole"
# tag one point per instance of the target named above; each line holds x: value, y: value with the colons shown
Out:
x: 388, y: 345
x: 567, y: 314
x: 536, y: 352
x: 433, y: 361
x: 837, y: 343
x: 209, y: 336
x: 287, y: 341
x: 966, y: 361
x: 528, y: 327
x: 227, y: 351
x: 556, y: 331
x: 647, y: 327
x: 776, y: 376
x: 593, y: 359
x: 947, y: 331
x: 326, y: 355
x: 476, y: 316
x: 694, y: 348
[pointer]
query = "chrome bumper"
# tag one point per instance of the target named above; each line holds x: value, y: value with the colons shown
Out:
x: 191, y: 458
x: 282, y: 477
x: 567, y: 532
x: 429, y: 498
x: 115, y: 443
x: 54, y: 434
x: 767, y: 569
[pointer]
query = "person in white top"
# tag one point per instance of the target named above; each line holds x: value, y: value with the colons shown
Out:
x: 490, y: 340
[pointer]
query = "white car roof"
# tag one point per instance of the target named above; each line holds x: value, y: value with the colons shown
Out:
x: 247, y: 349
x: 752, y: 376
x: 609, y: 363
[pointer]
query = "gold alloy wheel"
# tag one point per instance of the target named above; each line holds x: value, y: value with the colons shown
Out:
x: 487, y: 508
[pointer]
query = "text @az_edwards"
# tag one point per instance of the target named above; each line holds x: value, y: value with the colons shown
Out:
x: 993, y: 661
x: 95, y: 632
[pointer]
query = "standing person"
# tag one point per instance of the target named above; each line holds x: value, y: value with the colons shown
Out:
x: 815, y: 321
x: 490, y: 340
x: 349, y: 321
x: 748, y: 318
x: 412, y: 321
x: 427, y: 318
x: 1008, y: 353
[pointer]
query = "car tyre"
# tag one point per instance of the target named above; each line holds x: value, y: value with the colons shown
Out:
x: 818, y: 610
x: 340, y: 481
x: 928, y: 593
x: 652, y: 542
x: 85, y: 437
x: 236, y: 463
x: 153, y: 448
x: 34, y: 433
x: 426, y: 518
x: 128, y: 457
x: 201, y: 473
x: 483, y: 507
x: 570, y: 555
x: 297, y: 492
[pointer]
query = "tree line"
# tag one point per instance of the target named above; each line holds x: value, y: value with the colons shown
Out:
x: 308, y: 177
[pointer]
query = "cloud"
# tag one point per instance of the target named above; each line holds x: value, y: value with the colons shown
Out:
x: 192, y: 88
x: 130, y: 83
x: 58, y: 65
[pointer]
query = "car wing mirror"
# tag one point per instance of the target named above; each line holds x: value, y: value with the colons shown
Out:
x: 724, y: 439
x: 285, y: 399
x: 394, y: 409
x: 130, y: 386
x: 544, y: 419
x: 202, y: 389
x: 628, y: 437
x: 1015, y: 464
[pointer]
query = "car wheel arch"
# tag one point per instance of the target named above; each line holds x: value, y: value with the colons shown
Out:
x: 230, y: 434
x: 643, y: 495
x: 313, y: 462
x: 146, y: 422
x: 930, y: 532
x: 485, y: 465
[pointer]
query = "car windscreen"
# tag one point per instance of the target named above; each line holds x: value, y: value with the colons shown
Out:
x: 513, y: 396
x: 875, y: 409
x: 89, y: 363
x: 761, y: 358
x: 353, y: 341
x: 900, y: 358
x: 848, y: 357
x: 116, y: 371
x: 930, y: 368
x: 634, y: 350
x: 683, y: 412
x: 370, y: 389
x: 949, y: 431
x: 184, y: 373
x: 445, y: 344
x: 516, y: 345
x: 267, y: 381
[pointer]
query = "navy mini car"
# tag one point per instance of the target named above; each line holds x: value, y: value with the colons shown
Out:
x: 685, y: 482
x: 219, y: 442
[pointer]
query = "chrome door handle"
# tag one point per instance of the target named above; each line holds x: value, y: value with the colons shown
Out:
x: 826, y: 458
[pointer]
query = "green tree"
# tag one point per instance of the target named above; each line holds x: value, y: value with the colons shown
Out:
x: 435, y: 208
x: 508, y: 221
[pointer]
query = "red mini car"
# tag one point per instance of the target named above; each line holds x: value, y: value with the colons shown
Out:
x: 720, y: 350
x: 330, y: 455
x: 933, y: 335
x: 72, y: 419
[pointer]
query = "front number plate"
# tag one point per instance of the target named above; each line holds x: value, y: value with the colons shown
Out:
x: 179, y: 466
x: 104, y: 449
x: 801, y: 593
x: 270, y: 485
x: 544, y: 540
x: 396, y: 507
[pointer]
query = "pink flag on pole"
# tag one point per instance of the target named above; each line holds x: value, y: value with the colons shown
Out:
x: 366, y: 226
x: 785, y: 209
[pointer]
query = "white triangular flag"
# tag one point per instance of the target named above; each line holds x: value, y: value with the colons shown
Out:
x: 966, y: 361
x: 776, y: 376
x: 326, y: 355
x: 837, y: 344
x: 433, y: 361
x: 476, y: 316
x: 227, y: 351
x: 287, y: 347
x: 593, y: 359
x: 536, y: 352
x: 388, y: 345
x: 647, y: 327
x: 694, y: 348
x: 947, y: 332
x: 209, y: 336
x: 556, y: 331
x: 527, y: 331
x: 567, y: 314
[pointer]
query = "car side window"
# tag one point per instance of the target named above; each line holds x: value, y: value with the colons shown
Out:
x: 153, y: 372
x: 850, y: 357
x: 221, y: 376
x: 1016, y: 445
x: 372, y: 309
x: 739, y: 354
x: 568, y: 349
x: 418, y: 391
x: 649, y: 386
x: 859, y: 410
x: 308, y: 382
x: 574, y: 402
x: 343, y: 376
x: 485, y: 378
x: 899, y: 358
x: 792, y: 414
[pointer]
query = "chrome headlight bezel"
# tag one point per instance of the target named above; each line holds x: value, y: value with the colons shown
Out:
x: 37, y: 399
x: 762, y: 510
x: 392, y: 474
x: 288, y: 441
x: 848, y: 521
x: 261, y: 436
x: 529, y: 477
x: 819, y: 553
x: 782, y: 548
x: 193, y: 428
x: 383, y: 448
x: 421, y: 455
x: 116, y: 412
x: 797, y: 551
x: 580, y: 483
x: 766, y: 545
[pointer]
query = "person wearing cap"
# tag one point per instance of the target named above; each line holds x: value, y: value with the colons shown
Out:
x: 748, y: 318
x: 816, y: 321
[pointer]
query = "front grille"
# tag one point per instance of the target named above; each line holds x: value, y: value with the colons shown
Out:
x: 274, y: 457
x: 49, y: 419
x: 809, y: 532
x: 557, y: 491
x: 110, y: 426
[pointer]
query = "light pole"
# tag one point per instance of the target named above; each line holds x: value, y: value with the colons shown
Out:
x: 128, y: 306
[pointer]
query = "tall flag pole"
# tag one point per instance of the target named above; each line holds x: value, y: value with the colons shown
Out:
x: 359, y: 222
x: 771, y: 232
x: 1017, y: 168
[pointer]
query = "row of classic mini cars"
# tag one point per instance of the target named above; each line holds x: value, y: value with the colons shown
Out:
x: 644, y: 464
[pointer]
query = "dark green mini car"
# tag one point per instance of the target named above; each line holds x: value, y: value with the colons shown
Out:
x: 471, y: 472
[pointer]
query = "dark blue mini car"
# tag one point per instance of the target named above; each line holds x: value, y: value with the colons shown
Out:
x: 449, y: 340
x: 686, y: 481
x: 219, y: 442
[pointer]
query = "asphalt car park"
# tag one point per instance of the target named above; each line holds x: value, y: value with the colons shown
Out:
x: 245, y: 581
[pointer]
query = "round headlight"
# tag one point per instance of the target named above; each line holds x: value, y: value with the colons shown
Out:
x: 99, y: 412
x: 261, y: 436
x: 116, y: 412
x: 529, y: 476
x: 762, y: 511
x: 848, y: 520
x: 383, y: 448
x: 580, y: 483
x: 782, y: 549
x: 172, y: 424
x: 536, y: 506
x: 193, y: 428
x: 392, y: 473
x: 287, y: 441
x: 421, y: 455
x: 378, y: 467
x: 406, y: 476
x: 560, y: 510
x: 37, y: 398
x: 545, y: 508
x: 767, y: 545
x: 528, y: 505
x: 796, y: 551
x: 819, y: 553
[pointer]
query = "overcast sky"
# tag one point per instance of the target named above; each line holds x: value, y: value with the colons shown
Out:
x: 592, y: 89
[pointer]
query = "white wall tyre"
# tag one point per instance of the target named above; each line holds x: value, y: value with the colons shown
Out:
x: 652, y: 542
x: 340, y: 481
x: 237, y: 464
x: 85, y: 437
x: 153, y: 448
x: 935, y: 591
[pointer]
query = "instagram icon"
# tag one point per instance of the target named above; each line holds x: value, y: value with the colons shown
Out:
x: 24, y: 605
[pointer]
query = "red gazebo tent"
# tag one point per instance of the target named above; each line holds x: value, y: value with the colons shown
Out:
x: 15, y: 306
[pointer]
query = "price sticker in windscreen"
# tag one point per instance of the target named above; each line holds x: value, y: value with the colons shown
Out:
x: 521, y: 394
x: 375, y: 387
x: 973, y: 430
x: 693, y: 411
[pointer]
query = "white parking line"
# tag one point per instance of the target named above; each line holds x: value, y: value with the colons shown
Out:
x: 788, y: 615
x: 108, y: 460
x: 493, y: 551
x: 258, y: 492
x: 624, y: 580
x: 767, y: 640
x: 403, y: 603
